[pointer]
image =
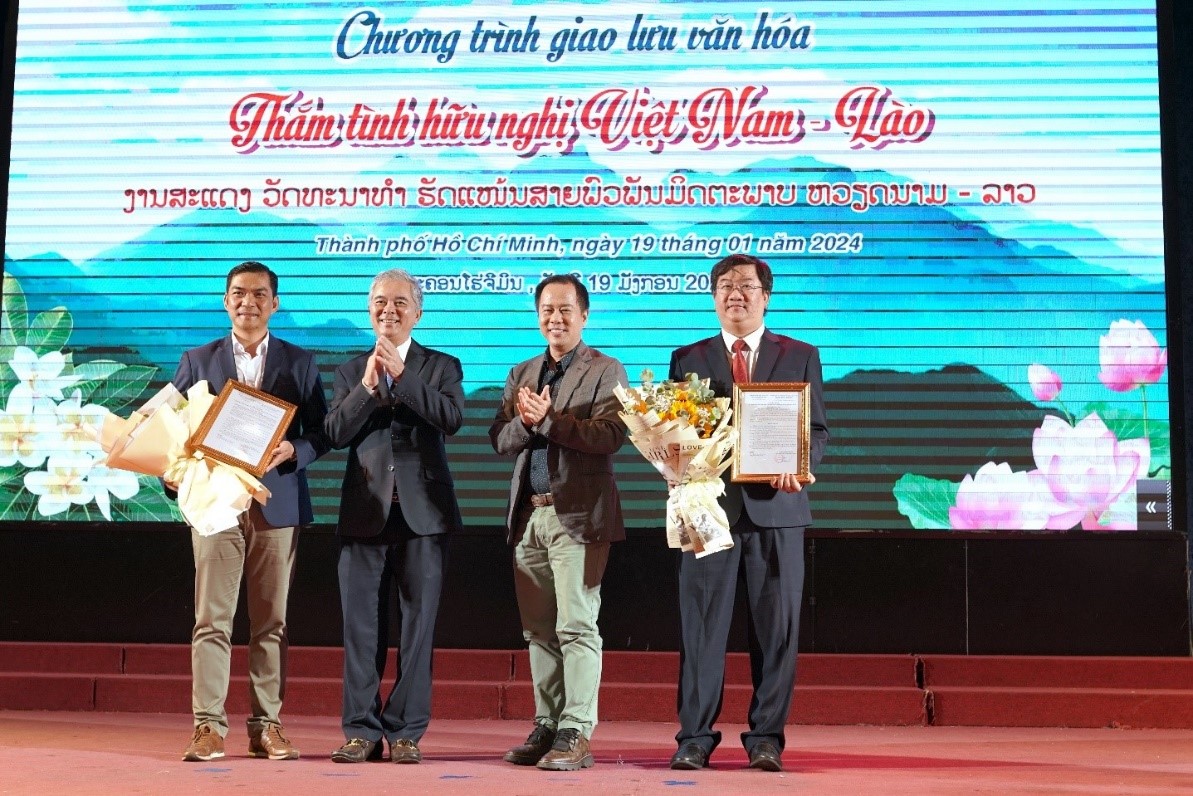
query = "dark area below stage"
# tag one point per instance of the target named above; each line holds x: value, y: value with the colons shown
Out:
x: 1078, y: 594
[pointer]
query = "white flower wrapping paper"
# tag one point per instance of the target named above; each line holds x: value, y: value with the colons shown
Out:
x: 692, y: 466
x: 153, y: 440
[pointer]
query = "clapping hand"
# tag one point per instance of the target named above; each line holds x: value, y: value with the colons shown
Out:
x: 384, y: 359
x: 532, y: 406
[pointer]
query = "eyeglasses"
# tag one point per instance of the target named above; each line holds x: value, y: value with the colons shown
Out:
x: 747, y: 289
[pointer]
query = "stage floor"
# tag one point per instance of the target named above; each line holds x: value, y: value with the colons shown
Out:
x: 129, y: 753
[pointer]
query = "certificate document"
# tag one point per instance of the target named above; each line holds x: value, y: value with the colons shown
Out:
x: 243, y: 427
x: 773, y: 424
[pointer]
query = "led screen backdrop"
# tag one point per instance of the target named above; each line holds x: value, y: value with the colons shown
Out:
x: 961, y: 203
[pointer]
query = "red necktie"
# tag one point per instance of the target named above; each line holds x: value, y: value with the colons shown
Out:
x: 741, y: 367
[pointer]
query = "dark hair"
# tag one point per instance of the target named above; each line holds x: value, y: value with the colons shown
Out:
x: 732, y: 261
x: 564, y: 279
x: 252, y: 267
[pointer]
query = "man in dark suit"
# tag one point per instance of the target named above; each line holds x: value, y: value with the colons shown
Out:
x: 262, y: 547
x: 767, y: 523
x: 392, y: 408
x: 559, y: 416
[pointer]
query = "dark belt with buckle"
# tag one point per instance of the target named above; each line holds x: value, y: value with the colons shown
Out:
x: 538, y: 501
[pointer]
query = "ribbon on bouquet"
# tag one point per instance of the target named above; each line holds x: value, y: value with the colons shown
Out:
x: 692, y: 466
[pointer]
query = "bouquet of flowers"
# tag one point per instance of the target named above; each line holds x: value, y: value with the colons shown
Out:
x: 153, y: 441
x: 683, y: 430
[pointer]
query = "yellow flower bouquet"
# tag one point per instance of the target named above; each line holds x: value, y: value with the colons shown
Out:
x: 683, y: 429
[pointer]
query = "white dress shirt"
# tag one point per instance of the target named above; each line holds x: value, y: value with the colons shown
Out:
x: 753, y: 340
x: 403, y: 350
x: 250, y: 369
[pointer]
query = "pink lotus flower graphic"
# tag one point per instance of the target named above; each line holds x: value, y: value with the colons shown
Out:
x: 1085, y: 475
x: 1045, y: 384
x: 1085, y: 468
x: 998, y: 499
x: 1130, y: 356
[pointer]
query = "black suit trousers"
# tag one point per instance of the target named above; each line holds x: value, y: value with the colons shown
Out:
x: 368, y: 569
x: 770, y: 561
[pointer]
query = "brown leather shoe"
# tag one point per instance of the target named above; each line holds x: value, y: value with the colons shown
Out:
x: 538, y: 743
x: 404, y: 750
x: 271, y: 743
x: 206, y: 744
x: 357, y: 750
x: 569, y: 752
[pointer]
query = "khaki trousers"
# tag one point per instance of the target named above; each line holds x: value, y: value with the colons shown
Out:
x: 558, y: 583
x: 264, y: 557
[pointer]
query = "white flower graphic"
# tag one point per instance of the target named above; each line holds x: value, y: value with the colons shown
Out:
x: 62, y: 483
x: 25, y: 429
x: 102, y: 481
x: 77, y: 425
x: 42, y: 375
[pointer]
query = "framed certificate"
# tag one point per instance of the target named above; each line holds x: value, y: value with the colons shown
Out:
x: 774, y: 431
x: 243, y: 427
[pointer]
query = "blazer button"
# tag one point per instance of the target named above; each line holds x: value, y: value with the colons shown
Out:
x: 391, y: 468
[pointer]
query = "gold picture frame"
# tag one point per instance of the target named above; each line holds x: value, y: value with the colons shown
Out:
x: 243, y: 427
x: 774, y: 428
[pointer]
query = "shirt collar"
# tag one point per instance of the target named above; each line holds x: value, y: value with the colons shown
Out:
x: 240, y: 351
x: 753, y: 339
x: 404, y: 348
x: 563, y: 362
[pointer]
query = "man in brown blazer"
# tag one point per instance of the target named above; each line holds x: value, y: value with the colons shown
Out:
x: 559, y: 416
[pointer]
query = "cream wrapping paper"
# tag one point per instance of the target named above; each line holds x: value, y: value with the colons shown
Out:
x: 692, y: 466
x: 153, y: 441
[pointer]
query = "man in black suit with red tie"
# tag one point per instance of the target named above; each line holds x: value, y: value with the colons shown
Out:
x: 767, y: 522
x: 393, y: 406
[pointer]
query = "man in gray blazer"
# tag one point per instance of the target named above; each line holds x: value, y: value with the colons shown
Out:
x: 262, y: 547
x: 393, y: 406
x: 767, y: 522
x: 559, y: 416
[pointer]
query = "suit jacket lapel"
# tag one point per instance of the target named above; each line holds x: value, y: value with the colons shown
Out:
x: 225, y: 363
x: 768, y: 357
x: 276, y: 361
x: 572, y: 376
x: 416, y: 358
x: 718, y: 364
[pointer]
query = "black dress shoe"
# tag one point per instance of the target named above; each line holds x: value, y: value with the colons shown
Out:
x: 766, y: 757
x: 689, y: 757
x: 357, y: 750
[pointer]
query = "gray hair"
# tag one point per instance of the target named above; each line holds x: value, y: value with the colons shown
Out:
x: 402, y: 275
